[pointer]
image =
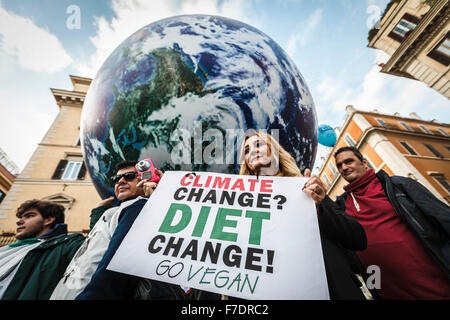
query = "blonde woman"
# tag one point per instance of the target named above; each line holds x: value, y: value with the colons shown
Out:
x: 261, y: 154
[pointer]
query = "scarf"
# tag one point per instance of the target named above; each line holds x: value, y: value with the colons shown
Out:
x: 10, y: 258
x: 363, y: 194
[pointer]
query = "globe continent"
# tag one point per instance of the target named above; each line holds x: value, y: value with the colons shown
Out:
x: 184, y: 90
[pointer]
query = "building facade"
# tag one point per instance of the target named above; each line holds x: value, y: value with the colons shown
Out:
x: 56, y: 171
x: 8, y: 172
x: 405, y: 146
x: 416, y: 36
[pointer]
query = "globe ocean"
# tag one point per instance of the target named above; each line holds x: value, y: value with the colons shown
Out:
x: 183, y: 91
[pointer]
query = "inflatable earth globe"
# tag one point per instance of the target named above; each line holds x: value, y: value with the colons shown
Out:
x: 185, y: 90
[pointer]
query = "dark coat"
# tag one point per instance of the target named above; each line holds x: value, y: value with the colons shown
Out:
x: 422, y: 212
x: 111, y: 285
x: 341, y: 235
x: 42, y: 268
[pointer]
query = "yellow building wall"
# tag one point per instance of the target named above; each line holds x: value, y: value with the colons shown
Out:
x: 66, y: 127
x: 78, y: 215
x: 426, y: 166
x: 426, y: 162
x: 354, y: 130
x: 35, y: 181
x: 417, y: 143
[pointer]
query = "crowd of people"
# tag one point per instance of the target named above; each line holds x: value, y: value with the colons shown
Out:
x: 393, y: 223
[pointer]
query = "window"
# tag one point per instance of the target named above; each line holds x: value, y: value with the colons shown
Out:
x: 326, y: 179
x: 408, y: 148
x: 443, y: 132
x: 384, y: 124
x: 441, y: 52
x: 424, y: 129
x: 333, y: 168
x: 433, y: 150
x: 2, y: 195
x: 349, y: 140
x: 447, y: 147
x: 444, y: 47
x: 406, y: 126
x: 403, y: 27
x: 442, y: 180
x: 70, y: 170
x: 407, y: 23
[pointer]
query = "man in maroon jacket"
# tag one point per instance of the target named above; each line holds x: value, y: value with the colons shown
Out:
x: 411, y: 267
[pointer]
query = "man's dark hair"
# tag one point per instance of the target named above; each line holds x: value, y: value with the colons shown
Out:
x: 352, y: 149
x: 125, y: 164
x: 46, y: 209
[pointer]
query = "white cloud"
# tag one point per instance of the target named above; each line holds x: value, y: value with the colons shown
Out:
x: 133, y: 15
x: 28, y: 119
x: 35, y: 48
x: 390, y: 94
x: 332, y: 96
x: 301, y: 36
x: 384, y: 92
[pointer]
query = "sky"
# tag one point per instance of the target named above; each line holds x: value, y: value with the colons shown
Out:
x: 43, y: 42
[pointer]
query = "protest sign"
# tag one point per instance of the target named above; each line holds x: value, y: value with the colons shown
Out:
x: 241, y: 236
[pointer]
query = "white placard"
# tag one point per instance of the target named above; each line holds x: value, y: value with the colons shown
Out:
x: 231, y: 234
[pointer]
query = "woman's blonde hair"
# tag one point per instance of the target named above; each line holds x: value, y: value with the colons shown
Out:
x: 284, y: 161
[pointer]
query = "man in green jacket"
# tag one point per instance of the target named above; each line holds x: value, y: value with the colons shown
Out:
x: 31, y: 268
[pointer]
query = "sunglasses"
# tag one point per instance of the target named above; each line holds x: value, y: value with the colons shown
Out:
x: 128, y: 176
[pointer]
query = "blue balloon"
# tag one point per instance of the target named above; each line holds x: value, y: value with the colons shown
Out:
x: 327, y: 136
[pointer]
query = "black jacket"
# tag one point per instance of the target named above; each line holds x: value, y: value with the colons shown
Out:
x: 111, y: 285
x: 422, y: 212
x: 341, y: 235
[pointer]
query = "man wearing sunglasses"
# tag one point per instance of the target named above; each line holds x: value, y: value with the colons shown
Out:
x: 115, y: 215
x: 86, y: 277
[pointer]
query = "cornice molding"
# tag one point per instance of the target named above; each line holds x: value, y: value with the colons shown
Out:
x: 58, y: 145
x: 66, y: 97
x: 52, y: 182
x: 80, y: 80
x: 432, y: 23
x: 388, y: 18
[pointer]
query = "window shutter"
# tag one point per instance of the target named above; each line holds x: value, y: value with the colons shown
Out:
x: 82, y: 172
x: 60, y: 169
x: 395, y: 36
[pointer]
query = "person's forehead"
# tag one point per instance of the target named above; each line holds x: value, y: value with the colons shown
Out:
x: 30, y: 211
x: 253, y: 139
x: 345, y: 155
x: 125, y: 170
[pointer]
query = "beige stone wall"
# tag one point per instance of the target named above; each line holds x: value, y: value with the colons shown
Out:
x: 35, y: 181
x: 77, y: 217
x: 420, y: 66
